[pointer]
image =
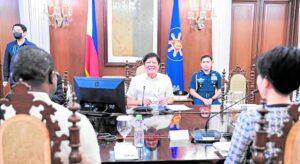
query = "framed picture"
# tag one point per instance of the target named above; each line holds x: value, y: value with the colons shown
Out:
x: 131, y: 30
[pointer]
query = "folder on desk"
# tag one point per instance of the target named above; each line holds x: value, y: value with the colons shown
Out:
x: 180, y: 107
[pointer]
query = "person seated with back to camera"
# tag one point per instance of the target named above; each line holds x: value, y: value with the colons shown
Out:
x: 278, y: 76
x: 58, y: 96
x: 156, y: 88
x: 35, y: 67
x: 205, y: 85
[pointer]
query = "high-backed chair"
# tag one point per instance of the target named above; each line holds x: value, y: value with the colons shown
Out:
x: 283, y: 141
x: 133, y: 69
x: 292, y: 148
x: 30, y: 139
x: 238, y: 86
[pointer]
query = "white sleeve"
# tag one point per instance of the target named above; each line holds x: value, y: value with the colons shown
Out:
x: 89, y: 147
x: 132, y: 90
x: 169, y: 87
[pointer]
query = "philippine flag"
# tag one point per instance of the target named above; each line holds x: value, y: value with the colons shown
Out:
x: 91, y: 52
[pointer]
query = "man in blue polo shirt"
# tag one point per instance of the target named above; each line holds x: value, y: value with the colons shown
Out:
x: 12, y: 48
x: 205, y: 85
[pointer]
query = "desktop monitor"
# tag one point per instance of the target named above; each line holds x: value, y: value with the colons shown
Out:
x: 101, y: 94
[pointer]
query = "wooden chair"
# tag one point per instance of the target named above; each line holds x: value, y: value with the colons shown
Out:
x: 67, y: 88
x: 284, y: 143
x: 27, y: 139
x: 237, y: 86
x: 133, y: 69
x: 292, y: 145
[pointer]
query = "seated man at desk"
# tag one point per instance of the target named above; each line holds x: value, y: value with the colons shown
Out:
x: 152, y: 87
x: 205, y: 85
x: 278, y: 72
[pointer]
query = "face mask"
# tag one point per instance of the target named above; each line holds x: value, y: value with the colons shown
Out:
x: 18, y: 35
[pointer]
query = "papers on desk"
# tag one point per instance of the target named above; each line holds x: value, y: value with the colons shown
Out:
x: 178, y: 107
x: 125, y: 151
x: 222, y: 148
x: 179, y: 138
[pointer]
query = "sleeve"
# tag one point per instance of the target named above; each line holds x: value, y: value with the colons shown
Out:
x: 169, y: 87
x: 132, y: 90
x: 89, y: 147
x: 58, y: 96
x: 240, y: 139
x: 6, y: 64
x: 193, y: 81
x: 219, y: 84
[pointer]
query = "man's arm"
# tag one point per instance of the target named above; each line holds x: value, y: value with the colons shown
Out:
x: 197, y: 96
x: 240, y: 140
x: 58, y: 96
x: 6, y: 64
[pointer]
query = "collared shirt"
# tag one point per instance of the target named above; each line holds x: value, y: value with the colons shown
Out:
x: 89, y: 148
x: 206, y: 85
x: 11, y: 50
x: 156, y: 89
x: 244, y: 131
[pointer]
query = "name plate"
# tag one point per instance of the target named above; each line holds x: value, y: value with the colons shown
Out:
x: 125, y: 151
x: 176, y: 135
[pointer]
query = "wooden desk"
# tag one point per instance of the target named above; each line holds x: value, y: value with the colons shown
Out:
x: 161, y: 152
x: 187, y: 102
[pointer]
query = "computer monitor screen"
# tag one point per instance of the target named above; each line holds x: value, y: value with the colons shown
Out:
x: 103, y: 94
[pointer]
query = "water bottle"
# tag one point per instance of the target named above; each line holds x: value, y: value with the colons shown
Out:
x: 139, y: 131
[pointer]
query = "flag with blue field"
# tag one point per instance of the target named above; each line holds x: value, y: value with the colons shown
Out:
x: 175, y: 52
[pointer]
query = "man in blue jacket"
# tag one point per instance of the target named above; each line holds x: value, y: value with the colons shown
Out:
x: 12, y: 48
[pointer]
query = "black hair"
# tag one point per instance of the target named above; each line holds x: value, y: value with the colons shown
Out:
x: 33, y: 65
x: 206, y: 56
x: 23, y: 27
x: 281, y: 66
x: 150, y: 55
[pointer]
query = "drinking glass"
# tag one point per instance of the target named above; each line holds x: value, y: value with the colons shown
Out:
x: 124, y: 125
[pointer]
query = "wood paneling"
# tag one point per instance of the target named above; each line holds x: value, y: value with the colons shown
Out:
x: 258, y: 26
x: 67, y: 45
x: 275, y: 26
x: 9, y: 15
x: 243, y: 34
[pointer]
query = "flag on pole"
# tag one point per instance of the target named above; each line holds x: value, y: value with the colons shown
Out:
x: 91, y: 52
x: 175, y: 52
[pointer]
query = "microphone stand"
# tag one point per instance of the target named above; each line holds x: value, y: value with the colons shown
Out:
x: 142, y: 108
x: 251, y: 94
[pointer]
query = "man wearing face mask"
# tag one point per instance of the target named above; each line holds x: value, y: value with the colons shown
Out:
x: 12, y: 48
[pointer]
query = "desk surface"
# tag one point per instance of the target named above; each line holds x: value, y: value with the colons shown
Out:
x: 157, y: 144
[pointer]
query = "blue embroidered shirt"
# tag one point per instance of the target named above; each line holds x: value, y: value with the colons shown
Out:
x: 244, y: 131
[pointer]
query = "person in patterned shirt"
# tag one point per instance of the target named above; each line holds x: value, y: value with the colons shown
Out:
x: 278, y: 76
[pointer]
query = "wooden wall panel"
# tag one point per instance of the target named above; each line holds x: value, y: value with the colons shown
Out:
x: 9, y: 15
x: 275, y: 26
x: 243, y: 34
x: 67, y: 45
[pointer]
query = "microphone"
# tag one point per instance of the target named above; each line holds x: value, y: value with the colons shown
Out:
x: 253, y: 93
x: 142, y: 108
x: 204, y: 135
x: 144, y: 87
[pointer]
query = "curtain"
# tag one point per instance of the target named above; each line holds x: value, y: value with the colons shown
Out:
x: 221, y: 33
x: 34, y: 17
